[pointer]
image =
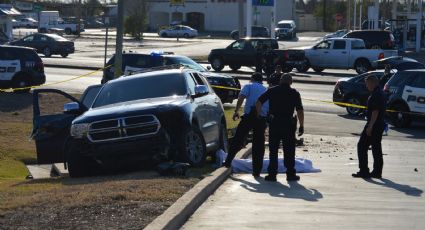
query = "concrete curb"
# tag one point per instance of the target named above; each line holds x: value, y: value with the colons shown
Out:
x: 178, y: 213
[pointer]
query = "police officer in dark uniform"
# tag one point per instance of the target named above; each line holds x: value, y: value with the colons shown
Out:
x: 269, y: 62
x: 274, y: 78
x: 283, y: 100
x: 372, y: 132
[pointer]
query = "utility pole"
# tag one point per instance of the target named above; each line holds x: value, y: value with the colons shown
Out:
x: 240, y: 24
x: 248, y: 18
x: 355, y: 15
x: 348, y: 15
x: 79, y: 18
x: 324, y: 15
x: 119, y: 39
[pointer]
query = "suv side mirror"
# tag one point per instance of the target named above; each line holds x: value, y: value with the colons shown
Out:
x: 208, y: 67
x: 71, y: 108
x: 200, y: 90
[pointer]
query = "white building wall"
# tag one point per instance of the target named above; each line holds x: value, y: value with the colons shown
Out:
x: 222, y: 15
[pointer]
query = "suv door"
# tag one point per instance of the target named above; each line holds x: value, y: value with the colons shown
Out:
x: 235, y: 53
x: 317, y: 56
x: 414, y: 94
x: 338, y: 55
x: 51, y: 131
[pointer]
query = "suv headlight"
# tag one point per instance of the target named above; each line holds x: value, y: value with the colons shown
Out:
x: 79, y: 130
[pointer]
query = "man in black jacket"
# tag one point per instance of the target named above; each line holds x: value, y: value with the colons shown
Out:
x: 372, y: 132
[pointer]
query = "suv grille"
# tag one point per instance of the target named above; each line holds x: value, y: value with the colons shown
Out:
x: 123, y: 128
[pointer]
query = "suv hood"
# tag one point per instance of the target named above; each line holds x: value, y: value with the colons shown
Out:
x: 131, y: 108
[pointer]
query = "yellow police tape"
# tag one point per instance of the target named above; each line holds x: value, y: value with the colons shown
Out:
x: 214, y: 86
x: 54, y: 83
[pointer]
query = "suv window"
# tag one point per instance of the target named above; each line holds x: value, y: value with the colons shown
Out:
x: 419, y: 81
x: 29, y: 39
x: 238, y: 45
x: 399, y: 77
x: 356, y: 45
x: 151, y: 86
x: 339, y: 45
x: 324, y: 45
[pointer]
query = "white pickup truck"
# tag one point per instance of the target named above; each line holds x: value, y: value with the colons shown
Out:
x: 343, y: 53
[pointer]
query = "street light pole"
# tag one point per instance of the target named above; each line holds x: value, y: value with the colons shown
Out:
x: 119, y: 39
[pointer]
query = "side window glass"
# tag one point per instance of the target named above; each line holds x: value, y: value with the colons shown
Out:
x: 419, y: 82
x: 323, y: 45
x: 239, y: 45
x: 339, y: 45
x: 190, y: 84
x: 29, y: 39
x: 89, y: 95
x: 43, y: 39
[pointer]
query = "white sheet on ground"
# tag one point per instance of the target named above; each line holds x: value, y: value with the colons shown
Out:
x: 245, y: 165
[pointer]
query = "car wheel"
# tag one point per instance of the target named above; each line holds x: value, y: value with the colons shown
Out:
x: 353, y: 110
x: 217, y: 64
x: 78, y: 166
x: 235, y: 67
x: 21, y: 84
x: 303, y: 67
x: 194, y: 149
x: 399, y: 118
x: 64, y: 55
x: 224, y: 141
x: 68, y: 31
x: 186, y: 35
x: 318, y: 69
x: 362, y: 66
x: 47, y: 52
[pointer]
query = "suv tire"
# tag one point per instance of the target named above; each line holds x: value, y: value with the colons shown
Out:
x: 21, y: 81
x: 217, y: 64
x: 353, y: 110
x: 47, y: 52
x: 400, y: 119
x: 64, y: 55
x: 235, y: 67
x: 304, y: 67
x: 193, y: 149
x: 68, y: 31
x: 78, y: 166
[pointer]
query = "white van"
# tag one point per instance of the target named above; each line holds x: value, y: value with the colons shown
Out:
x: 286, y: 29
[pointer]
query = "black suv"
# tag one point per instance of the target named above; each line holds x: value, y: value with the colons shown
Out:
x: 242, y: 52
x: 256, y: 31
x: 134, y: 62
x: 20, y: 67
x: 155, y: 116
x: 406, y: 95
x: 374, y: 39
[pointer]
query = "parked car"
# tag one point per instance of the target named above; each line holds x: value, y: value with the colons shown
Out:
x: 353, y: 90
x: 20, y: 67
x: 26, y: 22
x: 47, y: 44
x: 406, y: 95
x: 133, y: 119
x: 374, y: 39
x: 343, y: 53
x: 336, y: 34
x: 286, y: 29
x: 400, y: 63
x: 256, y: 31
x: 178, y: 31
x: 135, y: 62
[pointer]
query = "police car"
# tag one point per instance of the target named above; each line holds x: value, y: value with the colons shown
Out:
x: 225, y: 86
x: 20, y: 68
x: 406, y: 95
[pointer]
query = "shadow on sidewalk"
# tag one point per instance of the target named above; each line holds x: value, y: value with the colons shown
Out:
x: 407, y: 189
x: 277, y: 189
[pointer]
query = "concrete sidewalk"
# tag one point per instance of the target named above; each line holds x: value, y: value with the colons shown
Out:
x: 331, y: 199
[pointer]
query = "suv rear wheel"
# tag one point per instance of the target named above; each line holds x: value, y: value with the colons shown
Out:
x: 303, y: 67
x: 64, y: 55
x: 21, y: 84
x: 235, y: 67
x: 353, y: 110
x: 400, y: 118
x: 193, y: 150
x: 68, y: 31
x: 217, y: 64
x: 47, y: 52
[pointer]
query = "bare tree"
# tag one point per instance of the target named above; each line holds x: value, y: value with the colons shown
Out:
x: 136, y: 22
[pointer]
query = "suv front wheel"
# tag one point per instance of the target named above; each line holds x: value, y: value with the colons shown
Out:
x: 400, y: 118
x: 193, y: 150
x: 217, y: 64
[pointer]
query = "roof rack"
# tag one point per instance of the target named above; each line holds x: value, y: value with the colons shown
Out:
x: 157, y: 68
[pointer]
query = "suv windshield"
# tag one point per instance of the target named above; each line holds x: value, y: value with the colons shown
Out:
x: 151, y: 86
x: 284, y: 25
x: 185, y: 61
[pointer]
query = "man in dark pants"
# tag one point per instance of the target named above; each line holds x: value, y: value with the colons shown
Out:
x: 250, y: 121
x: 283, y: 100
x: 372, y: 132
